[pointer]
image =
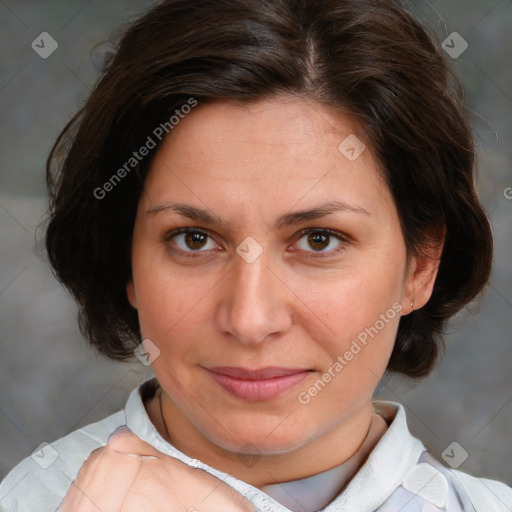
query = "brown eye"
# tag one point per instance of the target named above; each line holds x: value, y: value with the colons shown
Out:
x: 195, y: 240
x: 321, y: 239
x: 318, y: 241
x: 188, y: 241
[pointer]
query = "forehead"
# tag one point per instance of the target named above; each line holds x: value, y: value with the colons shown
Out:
x: 281, y: 126
x: 281, y: 150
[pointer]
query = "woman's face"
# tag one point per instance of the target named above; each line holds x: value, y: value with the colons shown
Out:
x: 270, y: 335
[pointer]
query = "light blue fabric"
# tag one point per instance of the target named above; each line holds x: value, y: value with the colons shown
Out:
x: 399, y: 475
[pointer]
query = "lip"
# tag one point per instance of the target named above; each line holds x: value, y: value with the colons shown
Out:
x: 259, y: 384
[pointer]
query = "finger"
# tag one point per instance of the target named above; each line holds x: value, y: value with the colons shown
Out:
x: 197, y: 488
x: 102, y: 482
x: 77, y: 500
x: 124, y: 441
x: 225, y: 499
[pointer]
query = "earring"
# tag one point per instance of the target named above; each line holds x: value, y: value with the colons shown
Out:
x: 412, y: 304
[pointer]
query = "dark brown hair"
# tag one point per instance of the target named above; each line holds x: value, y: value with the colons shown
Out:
x: 369, y: 58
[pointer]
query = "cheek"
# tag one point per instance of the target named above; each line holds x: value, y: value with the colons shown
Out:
x: 355, y: 323
x: 364, y: 343
x: 168, y: 303
x: 355, y: 363
x: 346, y: 306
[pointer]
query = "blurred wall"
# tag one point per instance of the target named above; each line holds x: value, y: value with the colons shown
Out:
x: 51, y: 383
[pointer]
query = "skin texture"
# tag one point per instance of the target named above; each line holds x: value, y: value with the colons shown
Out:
x: 299, y: 304
x: 113, y: 480
x: 249, y: 165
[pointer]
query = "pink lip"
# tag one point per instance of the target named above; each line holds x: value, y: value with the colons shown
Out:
x: 259, y: 384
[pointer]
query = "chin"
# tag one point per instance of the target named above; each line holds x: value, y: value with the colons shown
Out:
x: 262, y: 441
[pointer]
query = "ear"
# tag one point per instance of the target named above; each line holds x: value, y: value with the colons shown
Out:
x: 423, y: 270
x: 130, y: 292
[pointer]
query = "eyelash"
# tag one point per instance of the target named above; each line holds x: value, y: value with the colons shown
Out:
x: 302, y: 233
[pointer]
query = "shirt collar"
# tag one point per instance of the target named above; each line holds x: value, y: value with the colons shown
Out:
x: 315, y: 492
x: 384, y: 470
x: 386, y: 467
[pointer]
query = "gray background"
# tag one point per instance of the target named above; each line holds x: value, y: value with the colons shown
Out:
x: 52, y: 383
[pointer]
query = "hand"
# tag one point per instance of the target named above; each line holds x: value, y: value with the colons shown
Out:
x: 130, y: 475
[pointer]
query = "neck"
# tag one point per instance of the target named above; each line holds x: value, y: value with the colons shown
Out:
x: 359, y: 434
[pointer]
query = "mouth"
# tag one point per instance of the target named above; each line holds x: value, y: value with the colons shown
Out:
x: 259, y: 384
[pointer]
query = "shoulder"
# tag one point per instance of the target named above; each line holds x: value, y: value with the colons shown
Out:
x: 464, y: 492
x: 414, y: 480
x: 485, y: 495
x: 41, y: 480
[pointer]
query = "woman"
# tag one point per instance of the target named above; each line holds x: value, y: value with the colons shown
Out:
x: 272, y: 203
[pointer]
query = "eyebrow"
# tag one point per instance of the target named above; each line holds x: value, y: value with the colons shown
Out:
x: 204, y: 216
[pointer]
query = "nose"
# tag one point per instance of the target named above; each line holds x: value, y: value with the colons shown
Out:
x: 256, y: 303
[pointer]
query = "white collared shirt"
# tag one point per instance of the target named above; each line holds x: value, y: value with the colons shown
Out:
x: 399, y: 474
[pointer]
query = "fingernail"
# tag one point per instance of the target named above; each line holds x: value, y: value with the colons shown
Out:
x: 124, y: 428
x: 121, y: 430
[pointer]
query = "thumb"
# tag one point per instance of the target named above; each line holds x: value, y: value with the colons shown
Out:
x: 124, y: 441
